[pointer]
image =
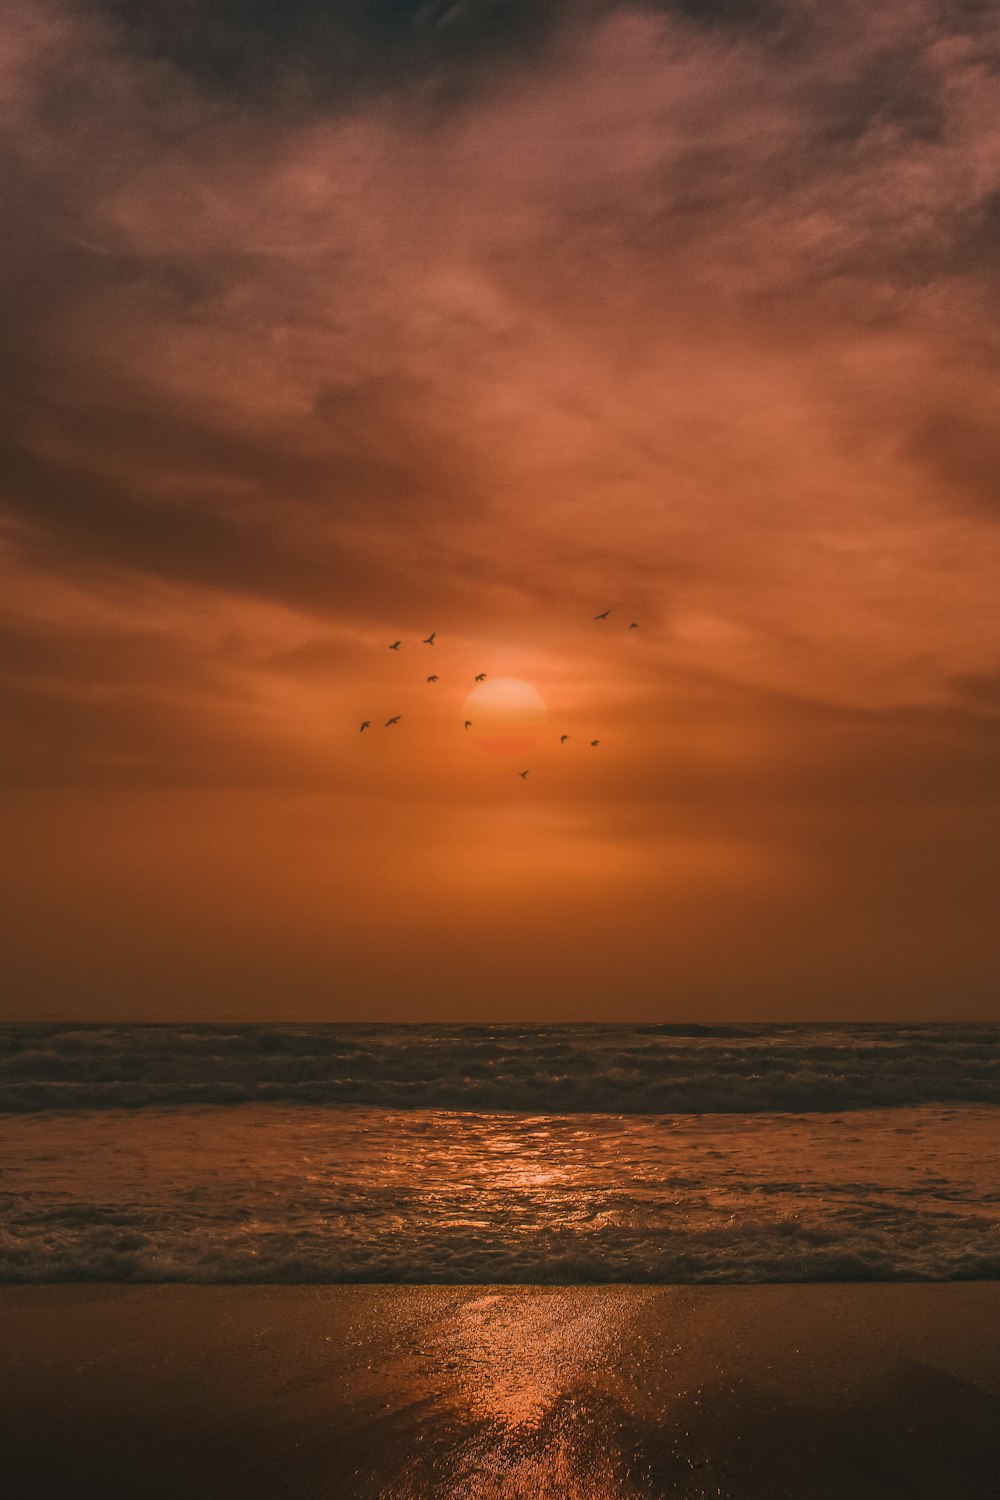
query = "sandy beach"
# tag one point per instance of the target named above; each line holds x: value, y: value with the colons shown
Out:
x: 368, y: 1391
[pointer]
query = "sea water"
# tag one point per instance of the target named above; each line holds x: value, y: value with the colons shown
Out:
x: 499, y: 1154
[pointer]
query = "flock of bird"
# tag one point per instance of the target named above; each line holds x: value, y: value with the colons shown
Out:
x: 428, y: 640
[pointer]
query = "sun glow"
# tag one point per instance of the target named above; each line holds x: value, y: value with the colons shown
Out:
x: 506, y: 715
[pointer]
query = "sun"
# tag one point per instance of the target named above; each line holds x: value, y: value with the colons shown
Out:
x: 507, y: 715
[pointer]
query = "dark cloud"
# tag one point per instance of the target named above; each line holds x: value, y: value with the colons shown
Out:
x: 895, y: 89
x: 771, y: 18
x: 981, y: 689
x: 976, y: 231
x: 310, y: 52
x: 141, y: 484
x: 960, y: 450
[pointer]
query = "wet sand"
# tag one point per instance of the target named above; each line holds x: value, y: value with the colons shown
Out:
x: 411, y: 1393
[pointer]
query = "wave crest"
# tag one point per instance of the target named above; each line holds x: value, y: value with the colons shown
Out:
x: 695, y: 1069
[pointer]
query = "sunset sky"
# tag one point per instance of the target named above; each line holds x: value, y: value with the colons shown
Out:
x: 330, y: 325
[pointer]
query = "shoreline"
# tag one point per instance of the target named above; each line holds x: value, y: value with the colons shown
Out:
x: 387, y: 1392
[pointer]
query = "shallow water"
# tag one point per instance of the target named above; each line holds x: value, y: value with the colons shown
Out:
x: 279, y: 1193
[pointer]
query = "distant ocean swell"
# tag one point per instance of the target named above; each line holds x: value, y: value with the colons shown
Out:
x: 553, y: 1069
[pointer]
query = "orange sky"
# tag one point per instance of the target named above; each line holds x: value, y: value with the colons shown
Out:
x: 314, y: 341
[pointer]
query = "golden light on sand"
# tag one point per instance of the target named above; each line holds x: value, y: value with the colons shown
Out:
x: 507, y: 715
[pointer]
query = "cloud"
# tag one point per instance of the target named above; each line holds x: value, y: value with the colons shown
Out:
x: 330, y: 325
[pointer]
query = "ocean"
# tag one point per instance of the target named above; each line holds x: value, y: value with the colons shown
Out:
x: 486, y: 1154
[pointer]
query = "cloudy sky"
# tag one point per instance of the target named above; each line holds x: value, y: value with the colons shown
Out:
x: 330, y: 325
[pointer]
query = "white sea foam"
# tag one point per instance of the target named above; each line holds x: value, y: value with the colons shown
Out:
x: 556, y: 1069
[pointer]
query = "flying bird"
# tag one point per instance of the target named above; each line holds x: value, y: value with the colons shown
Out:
x: 432, y: 678
x: 366, y: 725
x: 634, y: 625
x: 395, y: 645
x: 468, y: 723
x: 429, y: 640
x: 394, y: 720
x: 522, y: 774
x: 481, y: 677
x: 594, y: 744
x: 604, y: 616
x: 563, y: 738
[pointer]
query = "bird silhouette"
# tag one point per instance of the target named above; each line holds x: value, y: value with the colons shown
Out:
x: 563, y: 738
x: 604, y: 616
x: 594, y: 744
x: 429, y: 640
x: 394, y: 720
x: 432, y: 678
x: 522, y: 774
x: 481, y: 677
x: 395, y: 645
x: 634, y: 625
x: 366, y: 725
x: 468, y: 723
